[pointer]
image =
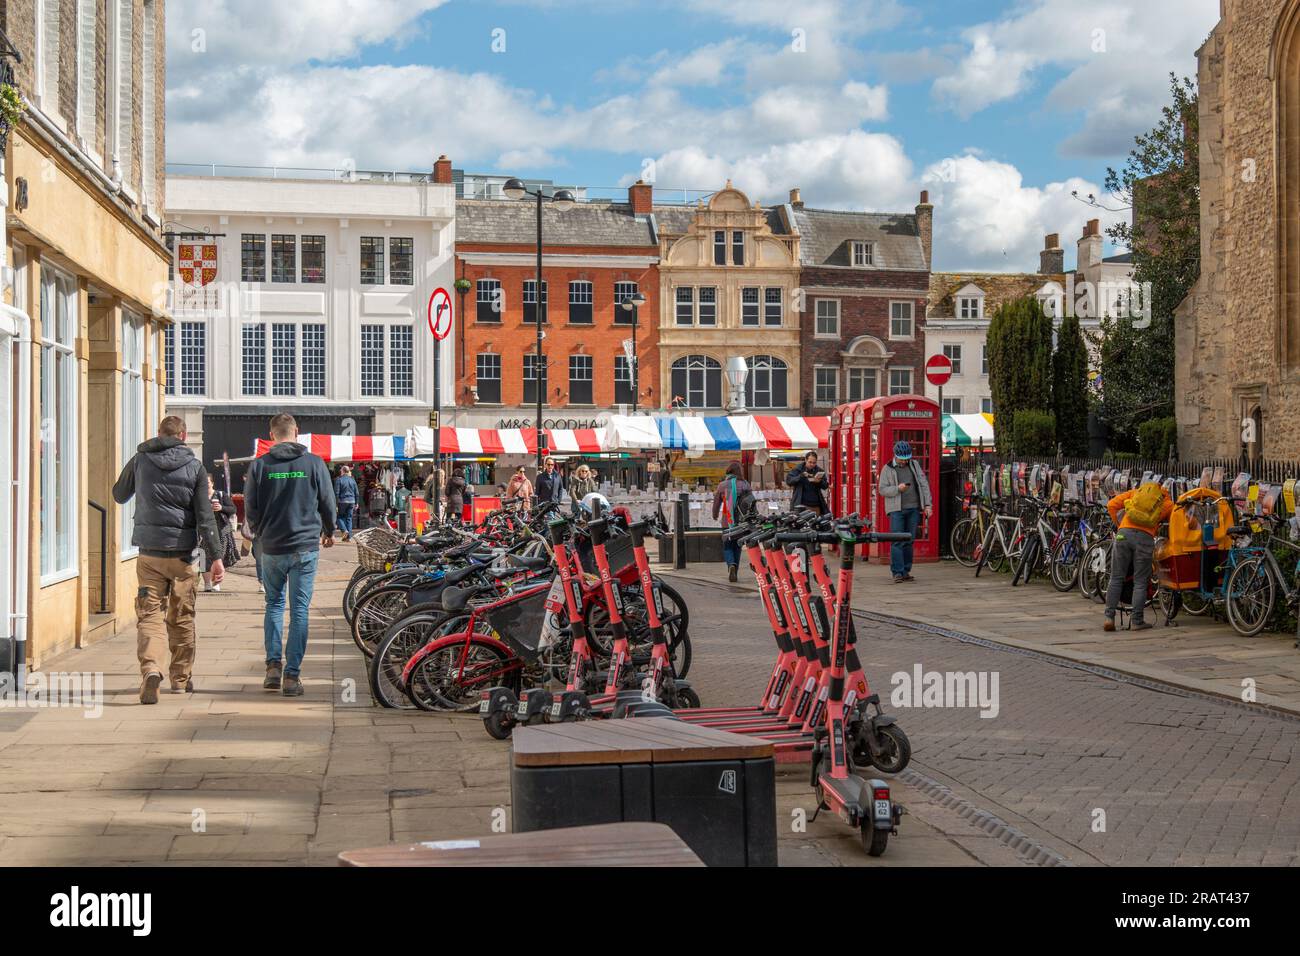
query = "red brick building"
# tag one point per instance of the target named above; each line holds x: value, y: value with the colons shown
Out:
x: 864, y: 280
x: 595, y: 255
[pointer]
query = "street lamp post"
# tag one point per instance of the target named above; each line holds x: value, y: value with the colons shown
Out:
x: 633, y: 304
x: 563, y: 200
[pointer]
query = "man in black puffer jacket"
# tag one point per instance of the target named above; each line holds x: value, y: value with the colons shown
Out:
x: 172, y: 509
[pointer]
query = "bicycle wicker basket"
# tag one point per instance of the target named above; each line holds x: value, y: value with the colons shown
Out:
x: 376, y: 547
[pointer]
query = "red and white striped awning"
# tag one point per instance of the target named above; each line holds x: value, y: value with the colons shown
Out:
x: 506, y: 441
x: 349, y: 447
x: 639, y: 432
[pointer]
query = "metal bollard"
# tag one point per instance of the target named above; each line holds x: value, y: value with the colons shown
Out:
x: 679, y: 534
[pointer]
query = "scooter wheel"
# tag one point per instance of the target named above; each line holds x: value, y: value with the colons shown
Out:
x: 874, y: 841
x: 686, y: 697
x: 498, y: 724
x: 896, y: 752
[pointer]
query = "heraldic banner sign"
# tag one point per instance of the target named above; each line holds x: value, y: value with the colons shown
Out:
x: 196, y: 267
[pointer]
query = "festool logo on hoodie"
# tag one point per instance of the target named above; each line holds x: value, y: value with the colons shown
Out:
x: 286, y: 474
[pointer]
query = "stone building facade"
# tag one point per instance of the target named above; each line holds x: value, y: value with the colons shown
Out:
x: 84, y: 311
x: 864, y: 279
x: 1237, y: 334
x: 728, y: 273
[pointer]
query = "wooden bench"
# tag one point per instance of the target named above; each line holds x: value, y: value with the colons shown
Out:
x: 716, y: 789
x: 611, y: 844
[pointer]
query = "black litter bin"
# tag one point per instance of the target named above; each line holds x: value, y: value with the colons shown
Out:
x: 717, y: 790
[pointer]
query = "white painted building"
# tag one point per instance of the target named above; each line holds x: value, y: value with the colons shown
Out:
x: 317, y: 307
x: 962, y: 303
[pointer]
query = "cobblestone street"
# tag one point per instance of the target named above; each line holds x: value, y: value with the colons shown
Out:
x: 233, y: 773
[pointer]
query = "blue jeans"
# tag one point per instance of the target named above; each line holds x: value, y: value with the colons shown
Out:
x: 345, y: 516
x: 292, y: 575
x: 731, y: 551
x: 900, y: 552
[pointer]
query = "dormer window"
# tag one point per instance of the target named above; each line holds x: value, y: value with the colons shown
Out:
x: 970, y: 307
x: 864, y: 253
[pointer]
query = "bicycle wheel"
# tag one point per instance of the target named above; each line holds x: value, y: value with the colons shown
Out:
x: 1024, y: 568
x: 1250, y: 593
x: 396, y: 647
x: 601, y: 635
x: 1064, y: 563
x: 375, y: 612
x: 360, y: 577
x: 991, y: 554
x: 1094, y: 571
x: 963, y: 541
x: 452, y: 677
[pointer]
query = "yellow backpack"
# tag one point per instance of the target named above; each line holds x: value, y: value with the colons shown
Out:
x: 1144, y: 507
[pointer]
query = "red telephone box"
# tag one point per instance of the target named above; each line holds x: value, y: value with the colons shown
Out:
x: 862, y: 442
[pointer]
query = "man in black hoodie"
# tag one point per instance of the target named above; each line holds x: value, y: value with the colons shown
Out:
x: 172, y: 509
x: 290, y: 507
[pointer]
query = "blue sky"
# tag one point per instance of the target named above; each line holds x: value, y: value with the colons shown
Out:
x: 999, y: 109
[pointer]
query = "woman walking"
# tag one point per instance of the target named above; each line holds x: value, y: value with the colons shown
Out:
x: 520, y: 487
x: 582, y: 484
x: 733, y: 501
x: 455, y: 497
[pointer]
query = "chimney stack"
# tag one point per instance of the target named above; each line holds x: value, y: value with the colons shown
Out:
x: 442, y: 170
x: 796, y: 200
x: 925, y: 225
x: 1090, y: 245
x: 1051, y: 261
x: 640, y: 196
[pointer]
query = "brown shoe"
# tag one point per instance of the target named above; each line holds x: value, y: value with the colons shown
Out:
x: 273, y: 671
x: 292, y: 686
x: 908, y: 577
x: 149, y: 689
x: 1141, y: 626
x: 899, y: 579
x: 1109, y: 625
x: 185, y: 686
x: 731, y: 573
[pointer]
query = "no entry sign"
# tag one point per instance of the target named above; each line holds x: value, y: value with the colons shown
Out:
x: 938, y: 369
x: 440, y: 314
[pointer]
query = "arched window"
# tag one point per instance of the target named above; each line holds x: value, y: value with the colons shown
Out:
x: 697, y: 380
x: 766, y: 385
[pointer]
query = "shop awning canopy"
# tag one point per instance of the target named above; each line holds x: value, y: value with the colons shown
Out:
x: 507, y: 441
x: 960, y: 430
x: 634, y: 433
x: 350, y: 447
x: 716, y: 433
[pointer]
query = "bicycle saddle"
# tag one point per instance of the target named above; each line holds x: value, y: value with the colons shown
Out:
x: 456, y: 599
x: 535, y: 563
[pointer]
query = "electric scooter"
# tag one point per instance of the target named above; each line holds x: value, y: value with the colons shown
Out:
x: 861, y: 802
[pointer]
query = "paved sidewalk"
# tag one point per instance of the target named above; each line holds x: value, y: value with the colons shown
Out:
x: 1198, y: 653
x: 236, y: 774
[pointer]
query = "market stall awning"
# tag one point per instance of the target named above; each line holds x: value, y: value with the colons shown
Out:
x: 635, y: 432
x: 506, y: 441
x: 716, y: 433
x: 959, y: 430
x: 349, y: 447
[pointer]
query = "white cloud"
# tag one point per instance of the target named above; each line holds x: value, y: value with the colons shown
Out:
x: 855, y: 170
x: 986, y: 217
x: 252, y: 33
x: 1116, y: 56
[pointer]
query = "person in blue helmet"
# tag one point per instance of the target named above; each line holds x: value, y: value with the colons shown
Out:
x: 906, y: 493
